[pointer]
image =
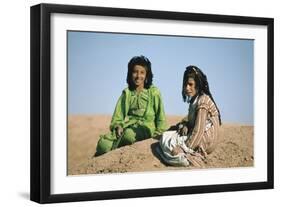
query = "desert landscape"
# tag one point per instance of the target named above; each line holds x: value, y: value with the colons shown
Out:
x: 234, y: 149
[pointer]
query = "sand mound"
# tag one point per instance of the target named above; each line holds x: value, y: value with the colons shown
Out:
x: 234, y: 149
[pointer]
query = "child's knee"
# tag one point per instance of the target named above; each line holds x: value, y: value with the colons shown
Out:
x: 129, y: 136
x: 103, y: 146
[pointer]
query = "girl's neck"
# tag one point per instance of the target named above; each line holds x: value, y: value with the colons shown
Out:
x: 139, y: 88
x: 192, y: 99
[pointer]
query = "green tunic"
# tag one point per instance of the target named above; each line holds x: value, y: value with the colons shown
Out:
x: 141, y: 115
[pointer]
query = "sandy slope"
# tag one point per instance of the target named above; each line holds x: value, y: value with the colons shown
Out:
x: 235, y: 149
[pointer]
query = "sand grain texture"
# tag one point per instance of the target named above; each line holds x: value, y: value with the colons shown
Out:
x: 234, y: 149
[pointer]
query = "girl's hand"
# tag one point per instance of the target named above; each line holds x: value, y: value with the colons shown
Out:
x: 182, y: 130
x: 118, y: 131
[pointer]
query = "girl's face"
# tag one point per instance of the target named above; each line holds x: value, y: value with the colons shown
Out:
x: 139, y: 75
x: 190, y: 89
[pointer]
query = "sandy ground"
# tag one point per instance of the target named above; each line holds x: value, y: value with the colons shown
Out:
x: 234, y: 149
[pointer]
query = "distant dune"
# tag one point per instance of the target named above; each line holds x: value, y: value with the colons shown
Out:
x: 234, y: 149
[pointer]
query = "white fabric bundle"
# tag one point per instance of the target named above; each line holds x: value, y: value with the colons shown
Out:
x: 170, y: 140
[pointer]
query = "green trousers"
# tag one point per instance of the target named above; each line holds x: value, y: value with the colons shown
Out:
x: 130, y: 135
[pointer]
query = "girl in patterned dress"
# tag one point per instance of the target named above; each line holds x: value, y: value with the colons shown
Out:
x: 196, y: 135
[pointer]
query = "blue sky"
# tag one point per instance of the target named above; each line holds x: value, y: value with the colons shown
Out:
x: 97, y: 70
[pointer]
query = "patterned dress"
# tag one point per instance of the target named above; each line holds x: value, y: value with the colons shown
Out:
x: 203, y: 124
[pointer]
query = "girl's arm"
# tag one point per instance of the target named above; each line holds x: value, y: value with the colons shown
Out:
x: 119, y: 114
x: 198, y: 130
x: 160, y: 117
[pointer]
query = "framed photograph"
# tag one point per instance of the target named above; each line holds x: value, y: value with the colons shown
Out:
x: 132, y: 103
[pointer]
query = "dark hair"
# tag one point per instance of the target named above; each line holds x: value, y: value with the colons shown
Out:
x: 201, y: 83
x: 143, y: 61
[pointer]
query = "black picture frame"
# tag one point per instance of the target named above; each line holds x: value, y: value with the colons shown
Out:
x: 40, y: 185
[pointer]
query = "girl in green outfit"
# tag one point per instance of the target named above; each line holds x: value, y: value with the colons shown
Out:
x: 139, y: 113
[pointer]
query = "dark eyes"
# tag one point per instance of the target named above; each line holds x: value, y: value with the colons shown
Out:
x: 141, y: 72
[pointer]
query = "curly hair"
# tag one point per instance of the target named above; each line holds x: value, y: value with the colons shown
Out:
x: 143, y: 61
x: 201, y: 83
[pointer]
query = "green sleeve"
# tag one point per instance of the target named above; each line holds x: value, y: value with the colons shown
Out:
x: 120, y: 112
x: 160, y: 118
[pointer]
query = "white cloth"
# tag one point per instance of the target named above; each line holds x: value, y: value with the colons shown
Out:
x: 168, y: 141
